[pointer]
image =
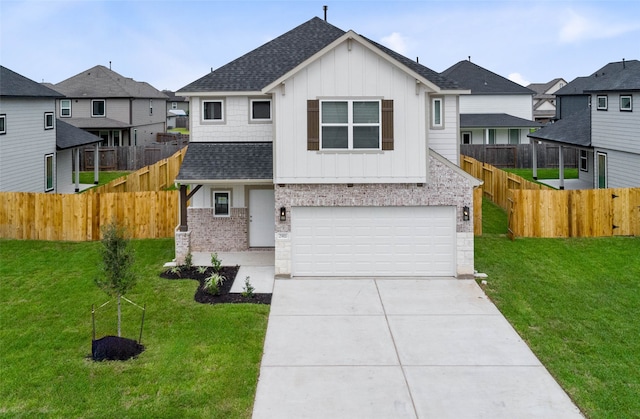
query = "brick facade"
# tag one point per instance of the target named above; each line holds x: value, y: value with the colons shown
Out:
x: 221, y: 234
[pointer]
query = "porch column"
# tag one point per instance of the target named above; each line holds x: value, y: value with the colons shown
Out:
x: 183, y: 208
x: 96, y: 164
x: 561, y: 166
x: 77, y: 169
x: 534, y: 158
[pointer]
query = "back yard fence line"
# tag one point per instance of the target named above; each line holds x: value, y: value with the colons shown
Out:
x: 536, y: 210
x: 132, y: 157
x: 519, y: 155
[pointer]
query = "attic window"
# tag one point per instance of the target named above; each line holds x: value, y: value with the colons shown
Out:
x: 602, y: 102
x: 626, y: 103
x: 212, y: 110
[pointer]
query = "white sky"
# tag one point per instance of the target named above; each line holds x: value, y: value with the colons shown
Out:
x: 169, y: 44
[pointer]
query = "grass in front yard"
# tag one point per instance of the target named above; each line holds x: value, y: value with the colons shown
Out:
x: 200, y: 360
x: 577, y: 304
x: 569, y: 173
x: 103, y: 177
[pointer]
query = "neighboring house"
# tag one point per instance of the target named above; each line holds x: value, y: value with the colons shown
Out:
x: 544, y: 100
x: 35, y: 148
x: 498, y: 111
x: 334, y: 150
x: 118, y: 109
x: 177, y: 110
x: 599, y: 115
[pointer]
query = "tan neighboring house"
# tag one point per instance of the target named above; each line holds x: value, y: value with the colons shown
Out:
x: 118, y: 109
x: 544, y: 100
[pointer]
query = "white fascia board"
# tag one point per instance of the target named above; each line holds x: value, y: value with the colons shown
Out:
x: 224, y: 181
x: 224, y: 93
x: 353, y: 36
x: 454, y: 92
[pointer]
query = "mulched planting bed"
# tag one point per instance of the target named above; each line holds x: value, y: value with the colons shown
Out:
x: 224, y: 296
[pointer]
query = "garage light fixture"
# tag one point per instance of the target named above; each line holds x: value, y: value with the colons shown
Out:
x: 283, y: 214
x: 465, y: 213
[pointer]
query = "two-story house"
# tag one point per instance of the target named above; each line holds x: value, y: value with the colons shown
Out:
x: 498, y: 111
x: 177, y: 110
x: 596, y: 115
x: 118, y: 109
x: 333, y: 149
x: 36, y: 149
x: 544, y: 99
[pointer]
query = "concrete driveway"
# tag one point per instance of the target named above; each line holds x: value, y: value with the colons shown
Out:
x: 398, y: 348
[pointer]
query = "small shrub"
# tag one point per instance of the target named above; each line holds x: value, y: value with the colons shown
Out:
x: 176, y: 270
x: 213, y: 283
x: 201, y: 269
x: 248, y: 288
x: 188, y: 261
x: 216, y: 263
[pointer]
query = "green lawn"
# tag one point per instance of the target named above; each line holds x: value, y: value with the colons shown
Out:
x: 576, y: 302
x: 103, y: 177
x: 200, y: 360
x: 544, y: 173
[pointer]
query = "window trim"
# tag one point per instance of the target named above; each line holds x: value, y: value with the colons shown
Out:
x: 350, y: 124
x: 213, y: 202
x: 584, y: 158
x: 174, y: 105
x: 63, y: 108
x: 3, y: 126
x: 462, y: 135
x: 259, y: 120
x: 150, y: 107
x: 49, y: 166
x: 104, y: 115
x: 626, y: 109
x: 213, y: 120
x: 495, y: 134
x: 606, y: 103
x: 48, y: 126
x: 440, y: 101
x: 512, y: 130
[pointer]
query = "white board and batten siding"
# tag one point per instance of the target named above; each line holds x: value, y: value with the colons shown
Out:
x: 350, y: 74
x: 445, y: 141
x: 25, y: 144
x: 373, y: 241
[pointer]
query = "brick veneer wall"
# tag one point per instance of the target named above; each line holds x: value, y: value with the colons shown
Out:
x: 221, y: 234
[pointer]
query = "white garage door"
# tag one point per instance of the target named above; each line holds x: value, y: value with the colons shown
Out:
x: 373, y: 241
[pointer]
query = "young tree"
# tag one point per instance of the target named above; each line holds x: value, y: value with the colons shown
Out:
x: 117, y: 275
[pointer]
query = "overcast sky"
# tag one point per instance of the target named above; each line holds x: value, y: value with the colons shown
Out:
x: 169, y: 44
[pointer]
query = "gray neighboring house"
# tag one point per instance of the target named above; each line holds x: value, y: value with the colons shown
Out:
x: 498, y: 111
x: 35, y: 147
x: 335, y: 151
x: 544, y: 100
x: 600, y: 116
x: 177, y: 110
x: 118, y: 109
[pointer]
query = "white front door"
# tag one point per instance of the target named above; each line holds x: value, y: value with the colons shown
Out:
x: 262, y: 205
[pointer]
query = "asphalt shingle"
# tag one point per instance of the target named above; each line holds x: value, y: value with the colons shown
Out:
x: 574, y: 129
x: 482, y: 81
x: 13, y: 84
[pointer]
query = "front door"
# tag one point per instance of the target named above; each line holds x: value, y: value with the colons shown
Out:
x: 602, y: 170
x: 262, y: 205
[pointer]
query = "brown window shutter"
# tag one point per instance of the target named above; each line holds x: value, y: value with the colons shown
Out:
x: 387, y: 124
x: 313, y: 124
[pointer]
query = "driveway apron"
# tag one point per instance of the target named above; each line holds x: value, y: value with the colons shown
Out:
x: 398, y: 348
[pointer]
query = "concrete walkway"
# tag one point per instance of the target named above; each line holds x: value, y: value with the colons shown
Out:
x: 398, y: 348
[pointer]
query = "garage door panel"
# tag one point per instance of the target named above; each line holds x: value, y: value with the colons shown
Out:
x: 368, y: 241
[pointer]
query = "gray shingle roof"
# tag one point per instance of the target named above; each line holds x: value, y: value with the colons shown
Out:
x: 495, y: 120
x: 574, y: 129
x: 68, y: 136
x: 13, y: 84
x: 101, y: 82
x: 227, y: 161
x: 265, y: 64
x: 482, y: 81
x: 619, y: 75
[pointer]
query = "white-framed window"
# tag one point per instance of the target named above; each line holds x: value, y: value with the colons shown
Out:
x: 48, y: 120
x: 3, y: 124
x: 437, y: 118
x: 466, y: 137
x: 221, y: 203
x: 65, y: 108
x: 514, y: 136
x: 213, y: 110
x: 150, y: 106
x: 584, y: 161
x: 626, y: 103
x: 602, y: 102
x: 98, y: 108
x: 350, y: 124
x: 260, y: 110
x: 174, y: 105
x: 48, y: 172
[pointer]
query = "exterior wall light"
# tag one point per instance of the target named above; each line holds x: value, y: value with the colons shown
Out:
x: 465, y: 213
x: 283, y: 214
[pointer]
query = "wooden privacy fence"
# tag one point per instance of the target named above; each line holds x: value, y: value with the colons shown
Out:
x: 155, y: 177
x: 574, y: 213
x: 79, y: 217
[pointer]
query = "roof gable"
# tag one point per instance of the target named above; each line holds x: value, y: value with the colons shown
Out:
x: 482, y: 81
x: 102, y: 82
x: 15, y: 85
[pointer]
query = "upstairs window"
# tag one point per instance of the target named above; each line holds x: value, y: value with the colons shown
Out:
x: 212, y: 110
x: 48, y: 172
x: 3, y: 124
x: 437, y: 120
x: 602, y: 103
x: 626, y: 103
x: 98, y: 108
x: 350, y: 124
x: 48, y: 120
x: 174, y: 105
x: 65, y: 108
x: 150, y: 106
x: 260, y: 110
